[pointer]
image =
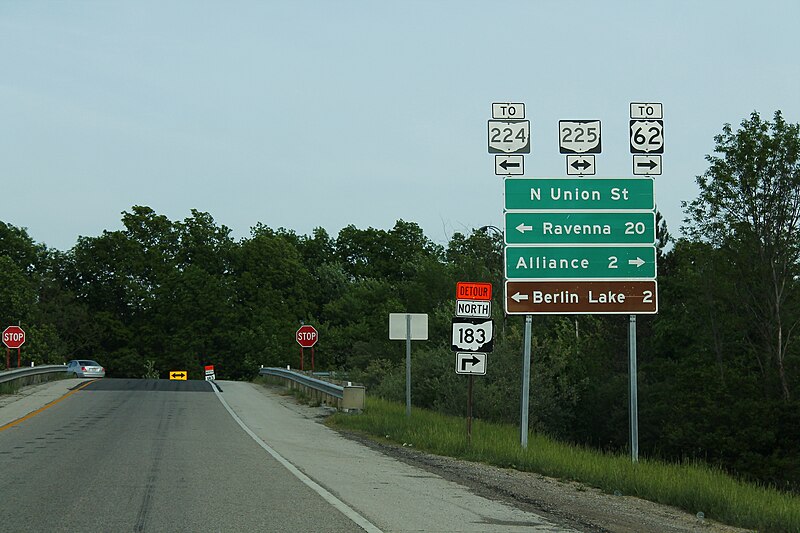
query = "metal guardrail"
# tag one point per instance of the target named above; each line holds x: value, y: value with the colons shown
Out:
x: 348, y: 398
x: 7, y: 376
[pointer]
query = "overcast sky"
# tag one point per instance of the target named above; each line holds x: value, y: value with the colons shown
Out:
x: 304, y: 114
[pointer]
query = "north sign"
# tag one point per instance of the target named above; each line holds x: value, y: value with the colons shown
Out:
x: 509, y: 137
x: 471, y: 363
x: 580, y: 228
x: 570, y: 194
x: 580, y: 262
x: 581, y: 297
x: 474, y: 308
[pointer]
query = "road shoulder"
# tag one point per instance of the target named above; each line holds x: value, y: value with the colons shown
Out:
x: 29, y: 399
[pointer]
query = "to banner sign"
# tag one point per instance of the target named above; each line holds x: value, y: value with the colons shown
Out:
x: 13, y: 337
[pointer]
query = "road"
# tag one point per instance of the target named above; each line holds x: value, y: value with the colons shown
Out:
x: 157, y: 455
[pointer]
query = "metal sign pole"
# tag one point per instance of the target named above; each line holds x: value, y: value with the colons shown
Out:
x: 469, y: 410
x: 634, y: 400
x: 312, y: 359
x: 526, y: 381
x: 8, y: 357
x: 408, y: 365
x: 302, y: 356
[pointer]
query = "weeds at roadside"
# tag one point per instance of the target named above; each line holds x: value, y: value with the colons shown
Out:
x: 694, y: 487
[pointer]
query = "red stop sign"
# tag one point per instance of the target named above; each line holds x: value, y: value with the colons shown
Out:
x: 13, y: 337
x: 306, y: 336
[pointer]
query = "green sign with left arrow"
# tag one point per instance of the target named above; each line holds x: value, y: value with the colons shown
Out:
x: 629, y: 227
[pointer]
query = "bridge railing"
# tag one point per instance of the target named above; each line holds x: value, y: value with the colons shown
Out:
x: 346, y: 398
x: 30, y: 375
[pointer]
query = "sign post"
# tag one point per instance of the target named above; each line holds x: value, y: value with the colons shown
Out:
x: 306, y: 337
x: 13, y: 337
x: 408, y: 327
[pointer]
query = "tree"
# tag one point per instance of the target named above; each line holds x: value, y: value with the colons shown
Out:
x: 749, y: 207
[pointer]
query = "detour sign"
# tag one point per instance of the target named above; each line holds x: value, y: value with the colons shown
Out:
x: 473, y: 291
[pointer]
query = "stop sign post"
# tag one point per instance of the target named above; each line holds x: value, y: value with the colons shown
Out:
x: 13, y: 337
x: 306, y: 337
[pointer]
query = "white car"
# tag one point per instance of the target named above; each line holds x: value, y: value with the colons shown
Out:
x: 85, y: 368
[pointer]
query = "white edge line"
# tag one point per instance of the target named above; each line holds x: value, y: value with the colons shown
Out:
x: 345, y: 509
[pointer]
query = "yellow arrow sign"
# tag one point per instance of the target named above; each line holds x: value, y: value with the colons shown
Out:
x: 178, y: 374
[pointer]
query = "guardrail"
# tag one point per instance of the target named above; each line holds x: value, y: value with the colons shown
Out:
x: 31, y: 375
x: 347, y: 398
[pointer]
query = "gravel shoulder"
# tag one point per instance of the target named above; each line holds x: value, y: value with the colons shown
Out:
x: 584, y: 508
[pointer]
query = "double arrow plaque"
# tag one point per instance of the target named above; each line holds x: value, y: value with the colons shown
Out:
x: 580, y: 246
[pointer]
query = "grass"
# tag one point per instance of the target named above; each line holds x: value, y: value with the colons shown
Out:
x: 693, y: 487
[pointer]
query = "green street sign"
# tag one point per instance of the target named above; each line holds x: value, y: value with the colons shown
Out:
x: 627, y: 227
x: 580, y: 262
x: 570, y: 194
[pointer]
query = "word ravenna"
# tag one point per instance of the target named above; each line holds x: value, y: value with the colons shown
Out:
x: 548, y: 228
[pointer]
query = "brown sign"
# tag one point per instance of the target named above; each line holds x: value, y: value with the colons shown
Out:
x: 581, y: 297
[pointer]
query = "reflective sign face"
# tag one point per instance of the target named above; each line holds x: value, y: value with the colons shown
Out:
x: 509, y: 137
x: 472, y: 335
x: 579, y: 136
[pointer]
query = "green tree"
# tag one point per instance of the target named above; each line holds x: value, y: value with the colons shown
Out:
x: 749, y: 206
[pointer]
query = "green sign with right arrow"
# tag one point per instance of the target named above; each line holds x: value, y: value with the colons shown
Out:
x: 580, y: 262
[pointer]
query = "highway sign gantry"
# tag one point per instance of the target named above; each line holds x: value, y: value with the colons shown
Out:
x: 581, y: 297
x: 571, y: 194
x: 580, y: 262
x: 580, y: 228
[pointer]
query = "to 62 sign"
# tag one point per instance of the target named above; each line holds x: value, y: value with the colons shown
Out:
x: 509, y: 137
x: 647, y: 136
x: 472, y: 335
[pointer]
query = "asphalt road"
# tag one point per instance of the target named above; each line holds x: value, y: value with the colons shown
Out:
x: 150, y: 455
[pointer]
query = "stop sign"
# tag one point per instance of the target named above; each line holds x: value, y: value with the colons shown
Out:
x: 13, y: 337
x: 306, y: 336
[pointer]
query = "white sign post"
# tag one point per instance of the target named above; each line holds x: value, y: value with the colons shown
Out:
x: 408, y: 326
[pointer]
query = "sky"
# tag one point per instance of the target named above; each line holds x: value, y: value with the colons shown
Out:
x: 303, y: 114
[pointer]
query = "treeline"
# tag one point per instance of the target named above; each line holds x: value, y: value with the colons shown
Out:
x: 718, y: 366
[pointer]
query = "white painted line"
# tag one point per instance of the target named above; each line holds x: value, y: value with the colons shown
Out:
x: 346, y: 510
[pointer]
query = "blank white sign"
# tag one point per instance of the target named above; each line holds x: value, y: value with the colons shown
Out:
x: 398, y: 328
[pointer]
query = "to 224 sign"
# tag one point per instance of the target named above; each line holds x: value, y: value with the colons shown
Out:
x: 509, y: 137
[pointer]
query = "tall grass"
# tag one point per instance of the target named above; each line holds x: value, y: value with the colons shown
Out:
x: 693, y: 487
